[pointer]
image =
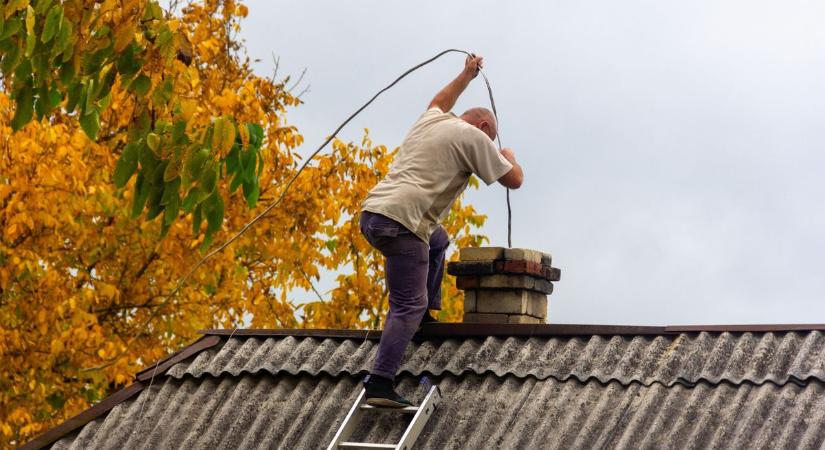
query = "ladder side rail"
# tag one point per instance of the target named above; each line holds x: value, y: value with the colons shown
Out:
x: 365, y: 446
x: 425, y: 411
x: 350, y: 422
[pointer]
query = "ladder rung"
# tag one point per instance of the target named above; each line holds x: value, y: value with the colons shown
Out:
x: 405, y: 410
x: 364, y: 445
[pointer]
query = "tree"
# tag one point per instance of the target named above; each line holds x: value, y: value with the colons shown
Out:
x: 115, y: 110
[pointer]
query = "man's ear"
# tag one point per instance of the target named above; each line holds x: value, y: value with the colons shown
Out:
x: 484, y: 126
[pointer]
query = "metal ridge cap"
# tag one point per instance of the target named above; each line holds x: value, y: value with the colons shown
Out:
x: 461, y: 329
x: 744, y: 328
x: 450, y: 329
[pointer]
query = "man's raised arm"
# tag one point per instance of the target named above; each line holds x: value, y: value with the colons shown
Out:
x: 446, y: 97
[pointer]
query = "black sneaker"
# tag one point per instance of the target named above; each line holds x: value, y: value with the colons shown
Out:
x: 380, y: 393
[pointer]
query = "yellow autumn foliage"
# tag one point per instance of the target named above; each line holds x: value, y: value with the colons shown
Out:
x: 84, y: 286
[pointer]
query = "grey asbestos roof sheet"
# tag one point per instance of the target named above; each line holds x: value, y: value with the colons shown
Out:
x: 694, y: 390
x: 681, y: 358
x: 477, y: 411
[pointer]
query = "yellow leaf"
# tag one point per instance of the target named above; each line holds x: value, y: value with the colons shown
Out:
x: 124, y: 34
x: 107, y: 290
x: 224, y: 135
x: 244, y: 132
x: 29, y: 20
x: 15, y: 5
x: 57, y: 346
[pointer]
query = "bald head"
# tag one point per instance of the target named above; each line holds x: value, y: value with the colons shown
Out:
x: 483, y: 119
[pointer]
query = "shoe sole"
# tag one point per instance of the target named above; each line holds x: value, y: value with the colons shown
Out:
x: 385, y: 402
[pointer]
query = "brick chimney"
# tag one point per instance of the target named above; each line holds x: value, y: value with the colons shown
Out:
x: 504, y: 285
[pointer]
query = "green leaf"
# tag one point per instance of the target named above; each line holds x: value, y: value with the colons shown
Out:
x: 154, y: 208
x: 25, y: 108
x: 11, y: 28
x: 173, y: 169
x: 171, y: 191
x: 194, y: 197
x: 142, y: 189
x: 179, y: 132
x: 164, y: 230
x: 53, y: 21
x: 104, y: 102
x: 248, y: 159
x: 41, y: 6
x: 236, y: 181
x: 147, y: 158
x: 31, y: 40
x: 126, y: 165
x: 10, y: 61
x: 63, y: 40
x: 157, y: 174
x: 213, y: 209
x: 251, y: 192
x: 87, y: 107
x: 67, y: 74
x: 153, y: 141
x: 55, y: 96
x: 195, y: 162
x: 93, y: 62
x: 74, y: 94
x: 196, y: 220
x: 23, y: 72
x: 90, y: 123
x: 209, y: 177
x: 214, y: 213
x: 233, y: 162
x: 172, y: 209
x: 256, y: 135
x: 56, y: 400
x: 162, y: 92
x: 106, y: 83
x: 127, y: 64
x: 141, y: 85
x: 41, y: 103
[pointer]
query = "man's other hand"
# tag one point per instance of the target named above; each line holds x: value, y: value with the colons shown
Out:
x: 472, y: 64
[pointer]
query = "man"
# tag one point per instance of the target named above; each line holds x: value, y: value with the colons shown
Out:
x: 400, y: 216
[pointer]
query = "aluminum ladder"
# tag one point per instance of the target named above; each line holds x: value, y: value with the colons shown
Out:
x: 421, y: 413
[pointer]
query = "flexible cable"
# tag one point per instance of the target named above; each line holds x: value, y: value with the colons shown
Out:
x: 182, y: 281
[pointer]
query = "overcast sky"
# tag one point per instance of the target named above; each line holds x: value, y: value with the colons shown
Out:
x: 673, y: 151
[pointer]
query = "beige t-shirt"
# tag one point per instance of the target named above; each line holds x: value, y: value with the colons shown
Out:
x: 432, y: 169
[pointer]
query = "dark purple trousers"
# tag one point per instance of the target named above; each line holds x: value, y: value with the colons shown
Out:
x: 414, y: 271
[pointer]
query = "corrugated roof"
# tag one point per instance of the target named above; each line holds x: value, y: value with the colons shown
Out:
x: 477, y: 411
x: 671, y: 359
x: 547, y: 387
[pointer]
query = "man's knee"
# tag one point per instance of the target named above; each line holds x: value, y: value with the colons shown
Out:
x: 408, y: 307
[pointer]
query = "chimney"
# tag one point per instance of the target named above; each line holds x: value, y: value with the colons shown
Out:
x: 504, y: 285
